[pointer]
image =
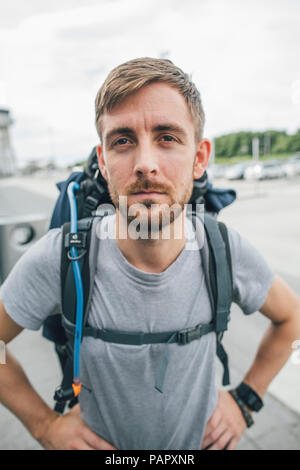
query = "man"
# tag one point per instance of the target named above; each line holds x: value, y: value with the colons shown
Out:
x: 150, y: 121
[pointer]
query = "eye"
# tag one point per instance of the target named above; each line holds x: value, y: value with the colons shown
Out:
x: 168, y: 138
x: 122, y: 141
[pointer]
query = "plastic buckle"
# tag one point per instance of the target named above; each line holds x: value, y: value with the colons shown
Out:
x: 91, y: 203
x: 62, y: 395
x: 187, y: 335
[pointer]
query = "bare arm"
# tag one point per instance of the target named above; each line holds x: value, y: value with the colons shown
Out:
x: 45, y: 425
x: 16, y: 392
x: 282, y: 307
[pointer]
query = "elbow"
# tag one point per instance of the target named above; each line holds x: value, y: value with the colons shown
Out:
x: 291, y: 323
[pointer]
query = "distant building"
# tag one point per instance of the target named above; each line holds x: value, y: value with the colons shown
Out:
x: 7, y: 158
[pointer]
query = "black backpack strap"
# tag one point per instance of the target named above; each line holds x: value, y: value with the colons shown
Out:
x: 68, y: 302
x: 68, y: 290
x: 216, y: 259
x: 220, y: 271
x: 65, y: 392
x: 224, y: 233
x: 138, y: 338
x: 221, y: 353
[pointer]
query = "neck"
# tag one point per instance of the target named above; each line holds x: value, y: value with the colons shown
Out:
x: 156, y: 253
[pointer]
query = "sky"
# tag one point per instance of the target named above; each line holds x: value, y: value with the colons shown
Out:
x: 54, y: 56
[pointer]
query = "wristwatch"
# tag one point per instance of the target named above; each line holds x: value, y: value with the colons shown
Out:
x: 245, y: 412
x: 249, y: 397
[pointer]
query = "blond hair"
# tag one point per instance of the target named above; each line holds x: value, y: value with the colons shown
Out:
x: 135, y: 74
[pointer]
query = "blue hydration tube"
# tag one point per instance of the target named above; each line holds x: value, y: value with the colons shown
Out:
x: 74, y: 186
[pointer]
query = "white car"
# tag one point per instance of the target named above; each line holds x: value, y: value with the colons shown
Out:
x: 237, y: 171
x: 216, y: 171
x: 292, y: 167
x: 265, y: 170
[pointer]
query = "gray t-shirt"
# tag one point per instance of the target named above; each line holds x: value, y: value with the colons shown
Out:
x: 118, y: 398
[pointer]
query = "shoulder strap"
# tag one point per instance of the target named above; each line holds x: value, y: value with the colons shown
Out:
x: 224, y: 233
x: 216, y: 260
x: 68, y: 290
x: 88, y: 239
x: 220, y: 270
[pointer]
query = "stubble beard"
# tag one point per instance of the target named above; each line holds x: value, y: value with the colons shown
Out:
x: 153, y: 217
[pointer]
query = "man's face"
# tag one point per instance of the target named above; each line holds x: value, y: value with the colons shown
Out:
x: 149, y: 153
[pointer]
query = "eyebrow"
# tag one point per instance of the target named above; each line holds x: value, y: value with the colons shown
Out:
x: 169, y: 127
x: 118, y: 130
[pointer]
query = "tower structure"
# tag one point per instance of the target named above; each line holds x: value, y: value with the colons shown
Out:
x: 7, y: 158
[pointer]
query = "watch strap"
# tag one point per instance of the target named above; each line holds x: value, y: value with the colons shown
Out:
x: 247, y: 416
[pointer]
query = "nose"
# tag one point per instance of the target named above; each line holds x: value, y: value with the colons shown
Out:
x: 145, y: 162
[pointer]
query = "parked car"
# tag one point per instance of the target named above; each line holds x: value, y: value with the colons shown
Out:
x: 216, y: 170
x: 292, y: 166
x: 237, y: 171
x: 266, y: 170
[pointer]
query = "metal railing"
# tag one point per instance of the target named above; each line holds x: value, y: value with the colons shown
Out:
x: 17, y: 235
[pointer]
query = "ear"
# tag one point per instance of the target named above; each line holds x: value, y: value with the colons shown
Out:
x: 202, y: 157
x: 101, y: 162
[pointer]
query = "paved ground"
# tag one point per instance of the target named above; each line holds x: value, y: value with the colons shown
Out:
x: 268, y: 215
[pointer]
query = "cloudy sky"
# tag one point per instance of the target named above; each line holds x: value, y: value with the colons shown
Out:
x: 243, y: 56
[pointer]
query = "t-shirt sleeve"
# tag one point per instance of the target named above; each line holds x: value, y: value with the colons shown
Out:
x: 31, y: 292
x: 252, y: 276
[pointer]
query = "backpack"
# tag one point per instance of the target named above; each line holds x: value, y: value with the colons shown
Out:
x: 215, y: 255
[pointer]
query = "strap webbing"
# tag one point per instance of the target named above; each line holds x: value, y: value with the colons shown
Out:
x: 68, y: 292
x: 66, y: 384
x: 87, y: 263
x: 181, y: 337
x: 222, y: 355
x: 223, y: 279
x: 138, y: 338
x: 218, y: 277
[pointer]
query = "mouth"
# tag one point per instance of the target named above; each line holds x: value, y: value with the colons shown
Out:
x: 147, y: 193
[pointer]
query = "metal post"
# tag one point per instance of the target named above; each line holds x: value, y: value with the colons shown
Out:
x: 255, y: 149
x: 7, y: 159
